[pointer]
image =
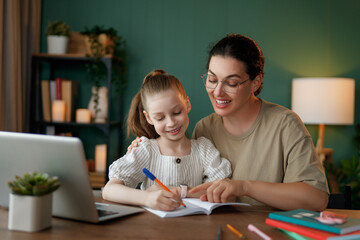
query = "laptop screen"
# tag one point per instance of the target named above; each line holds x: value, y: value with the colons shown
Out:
x: 64, y: 157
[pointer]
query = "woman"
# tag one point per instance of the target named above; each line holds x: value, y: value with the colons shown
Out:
x: 271, y: 152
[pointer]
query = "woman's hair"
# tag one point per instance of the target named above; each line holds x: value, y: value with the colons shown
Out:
x: 155, y: 82
x: 243, y: 49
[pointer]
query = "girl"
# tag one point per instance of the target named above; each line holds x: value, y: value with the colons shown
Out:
x: 159, y: 113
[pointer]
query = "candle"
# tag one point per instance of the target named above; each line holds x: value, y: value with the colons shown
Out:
x: 100, y: 158
x: 83, y: 115
x: 58, y: 111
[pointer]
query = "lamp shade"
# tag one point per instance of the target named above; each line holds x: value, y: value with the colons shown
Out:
x: 324, y: 100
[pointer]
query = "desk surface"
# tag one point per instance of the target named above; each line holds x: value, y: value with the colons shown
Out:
x: 145, y: 225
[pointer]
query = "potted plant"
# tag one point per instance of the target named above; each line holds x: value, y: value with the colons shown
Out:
x: 30, y: 205
x: 103, y: 42
x: 100, y: 41
x: 57, y: 33
x: 347, y: 173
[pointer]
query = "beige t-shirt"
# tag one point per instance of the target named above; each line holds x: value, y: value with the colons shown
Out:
x: 277, y: 148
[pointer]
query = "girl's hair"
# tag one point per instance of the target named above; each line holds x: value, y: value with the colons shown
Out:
x: 245, y: 50
x: 155, y: 82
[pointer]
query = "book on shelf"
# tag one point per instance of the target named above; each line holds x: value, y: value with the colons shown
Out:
x: 311, y: 232
x: 193, y: 206
x: 52, y: 90
x: 69, y: 93
x: 46, y: 100
x: 97, y: 179
x: 50, y: 130
x: 307, y: 218
x: 58, y: 88
x: 49, y: 93
x: 64, y: 134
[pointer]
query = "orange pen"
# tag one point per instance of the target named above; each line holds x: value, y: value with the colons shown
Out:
x: 235, y: 231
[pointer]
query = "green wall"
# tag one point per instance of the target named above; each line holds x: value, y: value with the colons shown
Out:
x: 300, y: 38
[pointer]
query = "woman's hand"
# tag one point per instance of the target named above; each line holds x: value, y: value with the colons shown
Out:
x: 133, y: 144
x: 218, y: 191
x: 284, y: 196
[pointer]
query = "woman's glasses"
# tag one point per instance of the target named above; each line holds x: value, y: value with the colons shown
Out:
x: 229, y: 85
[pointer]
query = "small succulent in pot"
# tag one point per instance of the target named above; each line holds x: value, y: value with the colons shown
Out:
x: 34, y: 184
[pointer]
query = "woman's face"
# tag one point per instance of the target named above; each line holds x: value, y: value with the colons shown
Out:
x: 228, y: 103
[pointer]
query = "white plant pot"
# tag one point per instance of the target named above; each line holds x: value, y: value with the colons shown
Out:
x: 57, y: 44
x: 30, y: 213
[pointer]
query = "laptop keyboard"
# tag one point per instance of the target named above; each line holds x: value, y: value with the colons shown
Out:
x: 103, y: 213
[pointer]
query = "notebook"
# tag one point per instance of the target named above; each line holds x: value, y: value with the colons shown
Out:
x: 306, y: 218
x: 58, y: 156
x: 193, y: 206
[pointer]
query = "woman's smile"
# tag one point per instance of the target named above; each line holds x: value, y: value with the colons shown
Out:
x: 222, y: 103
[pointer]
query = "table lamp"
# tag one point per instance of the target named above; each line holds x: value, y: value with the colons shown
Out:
x: 324, y: 101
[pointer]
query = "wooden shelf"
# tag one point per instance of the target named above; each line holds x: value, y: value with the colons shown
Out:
x: 36, y: 121
x: 67, y: 55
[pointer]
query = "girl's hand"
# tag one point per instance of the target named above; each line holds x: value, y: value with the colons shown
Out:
x: 177, y: 191
x: 162, y: 200
x: 156, y: 187
x: 133, y: 144
x: 218, y: 191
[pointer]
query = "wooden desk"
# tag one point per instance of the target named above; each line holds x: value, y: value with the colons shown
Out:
x: 145, y: 225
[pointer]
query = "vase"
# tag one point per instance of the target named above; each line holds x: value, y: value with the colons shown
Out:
x: 30, y: 213
x: 57, y: 44
x: 99, y: 110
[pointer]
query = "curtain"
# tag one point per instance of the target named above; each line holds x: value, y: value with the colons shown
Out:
x: 19, y: 38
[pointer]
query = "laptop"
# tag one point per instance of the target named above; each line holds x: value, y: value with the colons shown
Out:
x: 64, y: 157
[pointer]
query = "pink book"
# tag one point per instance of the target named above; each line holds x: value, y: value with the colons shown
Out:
x: 58, y: 88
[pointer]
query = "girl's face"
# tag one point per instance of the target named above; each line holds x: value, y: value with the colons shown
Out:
x: 168, y: 112
x: 227, y: 103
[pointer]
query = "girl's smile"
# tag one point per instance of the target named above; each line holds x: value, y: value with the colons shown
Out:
x: 175, y: 131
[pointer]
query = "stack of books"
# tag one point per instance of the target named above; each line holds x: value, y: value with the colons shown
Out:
x: 302, y: 224
x: 59, y: 89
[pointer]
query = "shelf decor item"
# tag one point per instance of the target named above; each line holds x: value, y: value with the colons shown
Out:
x: 98, y: 105
x: 30, y: 204
x: 83, y: 115
x: 57, y: 33
x: 100, y: 158
x: 58, y: 111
